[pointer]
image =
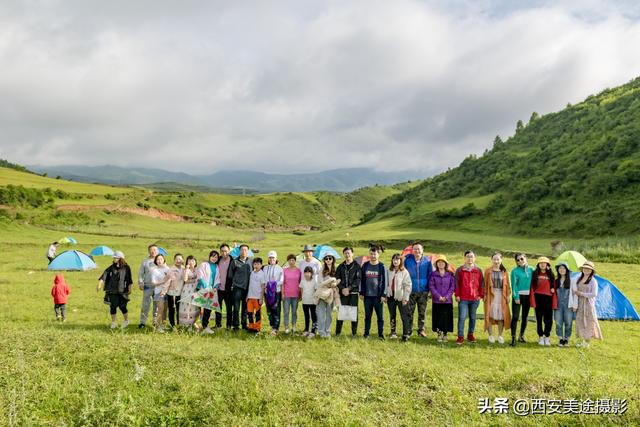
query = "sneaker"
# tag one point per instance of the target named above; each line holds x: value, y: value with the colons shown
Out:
x: 274, y: 333
x: 460, y: 340
x: 366, y: 337
x: 125, y: 324
x: 521, y: 339
x: 500, y: 339
x: 439, y: 338
x: 381, y: 337
x: 305, y: 334
x: 114, y: 325
x: 160, y: 329
x: 547, y: 341
x: 64, y: 319
x: 491, y: 339
x: 513, y: 342
x: 445, y: 338
x: 286, y: 331
x: 405, y: 338
x: 561, y: 342
x: 141, y: 325
x: 207, y: 331
x: 566, y: 342
x: 393, y: 337
x: 423, y: 334
x: 471, y: 338
x: 57, y: 318
x: 541, y: 341
x: 311, y: 335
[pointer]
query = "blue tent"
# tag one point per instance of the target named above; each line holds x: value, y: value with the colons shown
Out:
x: 72, y: 260
x: 611, y: 304
x: 235, y: 252
x: 162, y: 251
x: 101, y: 251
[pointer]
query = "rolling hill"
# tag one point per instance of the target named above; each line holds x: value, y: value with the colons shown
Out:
x: 574, y: 172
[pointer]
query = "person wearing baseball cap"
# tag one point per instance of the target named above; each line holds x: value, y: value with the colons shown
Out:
x: 273, y: 291
x: 583, y: 302
x: 117, y: 282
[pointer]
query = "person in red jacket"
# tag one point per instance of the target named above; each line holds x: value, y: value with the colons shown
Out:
x: 60, y: 291
x: 469, y: 291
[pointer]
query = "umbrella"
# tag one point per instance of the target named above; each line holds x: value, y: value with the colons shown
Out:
x: 407, y: 251
x: 68, y: 239
x: 162, y: 251
x: 72, y: 260
x: 361, y: 259
x: 101, y: 251
x: 322, y: 251
x: 235, y: 252
x: 573, y: 259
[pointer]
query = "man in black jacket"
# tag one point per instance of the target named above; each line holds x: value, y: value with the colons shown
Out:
x: 238, y: 277
x: 349, y: 274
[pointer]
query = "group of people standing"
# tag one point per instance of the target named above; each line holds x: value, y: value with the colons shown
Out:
x: 186, y: 292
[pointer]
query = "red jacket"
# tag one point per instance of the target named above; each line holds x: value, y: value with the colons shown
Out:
x: 60, y: 290
x: 552, y: 286
x: 469, y: 284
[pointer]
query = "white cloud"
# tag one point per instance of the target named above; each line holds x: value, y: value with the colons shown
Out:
x: 282, y: 87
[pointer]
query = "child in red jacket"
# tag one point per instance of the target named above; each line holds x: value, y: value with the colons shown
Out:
x: 60, y: 292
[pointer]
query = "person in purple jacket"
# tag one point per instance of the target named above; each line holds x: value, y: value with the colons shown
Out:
x: 441, y: 285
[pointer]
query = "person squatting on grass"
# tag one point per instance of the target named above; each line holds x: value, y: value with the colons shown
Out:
x: 543, y: 299
x: 520, y: 286
x: 373, y: 290
x: 145, y: 284
x: 273, y: 291
x: 442, y: 284
x: 349, y: 275
x: 398, y: 294
x: 496, y: 298
x: 117, y: 282
x: 60, y: 292
x: 255, y: 292
x: 469, y: 291
x: 291, y: 293
x: 308, y: 286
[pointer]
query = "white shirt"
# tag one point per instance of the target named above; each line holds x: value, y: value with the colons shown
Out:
x: 274, y: 273
x: 315, y: 264
x: 256, y: 281
x: 51, y: 252
x: 158, y: 277
x: 308, y: 290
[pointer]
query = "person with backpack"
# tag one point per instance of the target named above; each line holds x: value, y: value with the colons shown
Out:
x: 117, y: 282
x: 273, y: 290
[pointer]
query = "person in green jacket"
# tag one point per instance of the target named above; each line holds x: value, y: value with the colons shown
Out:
x: 520, y: 285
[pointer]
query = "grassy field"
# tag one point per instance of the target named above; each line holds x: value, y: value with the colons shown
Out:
x: 82, y: 373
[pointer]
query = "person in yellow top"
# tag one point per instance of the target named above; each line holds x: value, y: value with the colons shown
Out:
x: 497, y: 297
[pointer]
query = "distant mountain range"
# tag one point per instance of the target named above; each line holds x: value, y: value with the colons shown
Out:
x: 341, y: 180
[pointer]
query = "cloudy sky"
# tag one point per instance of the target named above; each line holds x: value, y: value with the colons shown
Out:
x: 291, y: 86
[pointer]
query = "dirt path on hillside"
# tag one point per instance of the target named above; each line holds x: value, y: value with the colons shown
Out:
x: 151, y: 212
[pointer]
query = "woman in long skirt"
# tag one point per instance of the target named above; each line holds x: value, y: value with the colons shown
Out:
x: 583, y: 301
x: 188, y: 313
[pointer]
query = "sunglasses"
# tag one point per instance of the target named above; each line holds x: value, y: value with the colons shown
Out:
x: 328, y: 257
x: 521, y: 259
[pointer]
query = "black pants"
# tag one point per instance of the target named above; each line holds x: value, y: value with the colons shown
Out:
x: 419, y: 300
x: 117, y: 301
x: 61, y: 310
x: 206, y: 315
x: 352, y: 300
x: 309, y: 311
x: 371, y: 304
x: 544, y: 314
x: 239, y: 299
x: 274, y: 312
x: 224, y: 298
x: 515, y: 314
x: 173, y: 302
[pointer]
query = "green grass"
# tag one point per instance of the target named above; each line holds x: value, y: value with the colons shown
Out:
x: 10, y: 176
x: 81, y: 373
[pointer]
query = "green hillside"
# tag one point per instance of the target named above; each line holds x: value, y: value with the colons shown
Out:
x: 65, y: 205
x: 575, y: 172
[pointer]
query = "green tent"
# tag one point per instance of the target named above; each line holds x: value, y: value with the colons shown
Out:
x: 574, y: 260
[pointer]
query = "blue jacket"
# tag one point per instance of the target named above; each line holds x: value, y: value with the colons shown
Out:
x: 420, y: 274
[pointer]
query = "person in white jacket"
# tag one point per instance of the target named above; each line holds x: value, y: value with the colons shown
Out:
x: 274, y: 276
x: 398, y: 290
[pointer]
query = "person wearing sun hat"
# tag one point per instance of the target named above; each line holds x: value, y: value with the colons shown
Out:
x: 117, y: 283
x: 543, y: 299
x: 584, y: 291
x: 310, y: 261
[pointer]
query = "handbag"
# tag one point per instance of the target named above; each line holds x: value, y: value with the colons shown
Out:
x: 348, y: 313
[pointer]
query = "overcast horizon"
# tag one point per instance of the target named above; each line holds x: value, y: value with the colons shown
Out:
x: 286, y: 87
